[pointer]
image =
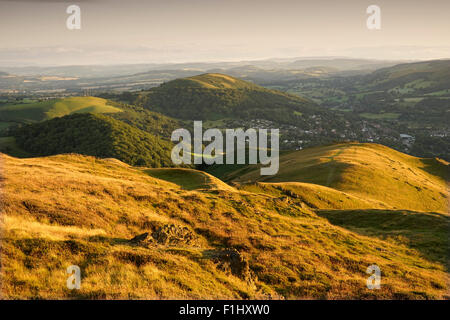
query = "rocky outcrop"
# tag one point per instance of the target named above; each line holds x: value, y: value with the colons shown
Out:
x: 168, y: 234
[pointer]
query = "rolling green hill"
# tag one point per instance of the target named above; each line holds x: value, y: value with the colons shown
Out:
x: 217, y: 96
x: 371, y: 172
x: 39, y: 111
x: 96, y: 135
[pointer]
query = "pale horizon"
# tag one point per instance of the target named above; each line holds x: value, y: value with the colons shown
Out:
x: 34, y: 33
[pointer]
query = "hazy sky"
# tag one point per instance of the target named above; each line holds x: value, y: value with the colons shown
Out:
x: 136, y: 31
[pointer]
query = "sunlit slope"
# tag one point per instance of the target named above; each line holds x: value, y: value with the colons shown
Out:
x: 212, y: 81
x: 313, y: 196
x: 189, y: 179
x: 38, y: 111
x: 368, y: 171
x: 76, y: 210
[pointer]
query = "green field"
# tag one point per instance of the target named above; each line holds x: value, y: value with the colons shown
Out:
x: 380, y: 116
x: 39, y: 111
x: 439, y: 93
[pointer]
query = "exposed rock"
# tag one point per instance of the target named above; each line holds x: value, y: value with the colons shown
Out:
x: 168, y: 234
x: 171, y: 234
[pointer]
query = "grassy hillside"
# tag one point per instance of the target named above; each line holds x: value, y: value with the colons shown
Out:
x: 313, y: 196
x: 39, y: 111
x: 367, y: 171
x: 96, y: 135
x: 426, y: 232
x: 194, y: 242
x: 189, y: 179
x: 216, y: 96
x: 428, y: 76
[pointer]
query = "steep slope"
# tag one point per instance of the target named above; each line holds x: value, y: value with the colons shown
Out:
x: 39, y: 111
x: 135, y: 236
x: 367, y: 171
x: 216, y: 96
x: 96, y: 135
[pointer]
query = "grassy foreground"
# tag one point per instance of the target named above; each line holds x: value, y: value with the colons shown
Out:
x: 204, y: 239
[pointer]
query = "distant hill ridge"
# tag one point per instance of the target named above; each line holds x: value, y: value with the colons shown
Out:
x: 428, y: 76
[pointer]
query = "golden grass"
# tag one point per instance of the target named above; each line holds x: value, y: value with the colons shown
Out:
x: 314, y: 196
x: 367, y: 171
x: 77, y: 210
x: 189, y: 179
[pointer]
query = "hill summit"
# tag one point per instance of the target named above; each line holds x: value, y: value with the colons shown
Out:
x: 214, y: 81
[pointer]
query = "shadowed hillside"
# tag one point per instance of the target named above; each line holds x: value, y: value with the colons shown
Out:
x: 95, y: 135
x: 426, y: 232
